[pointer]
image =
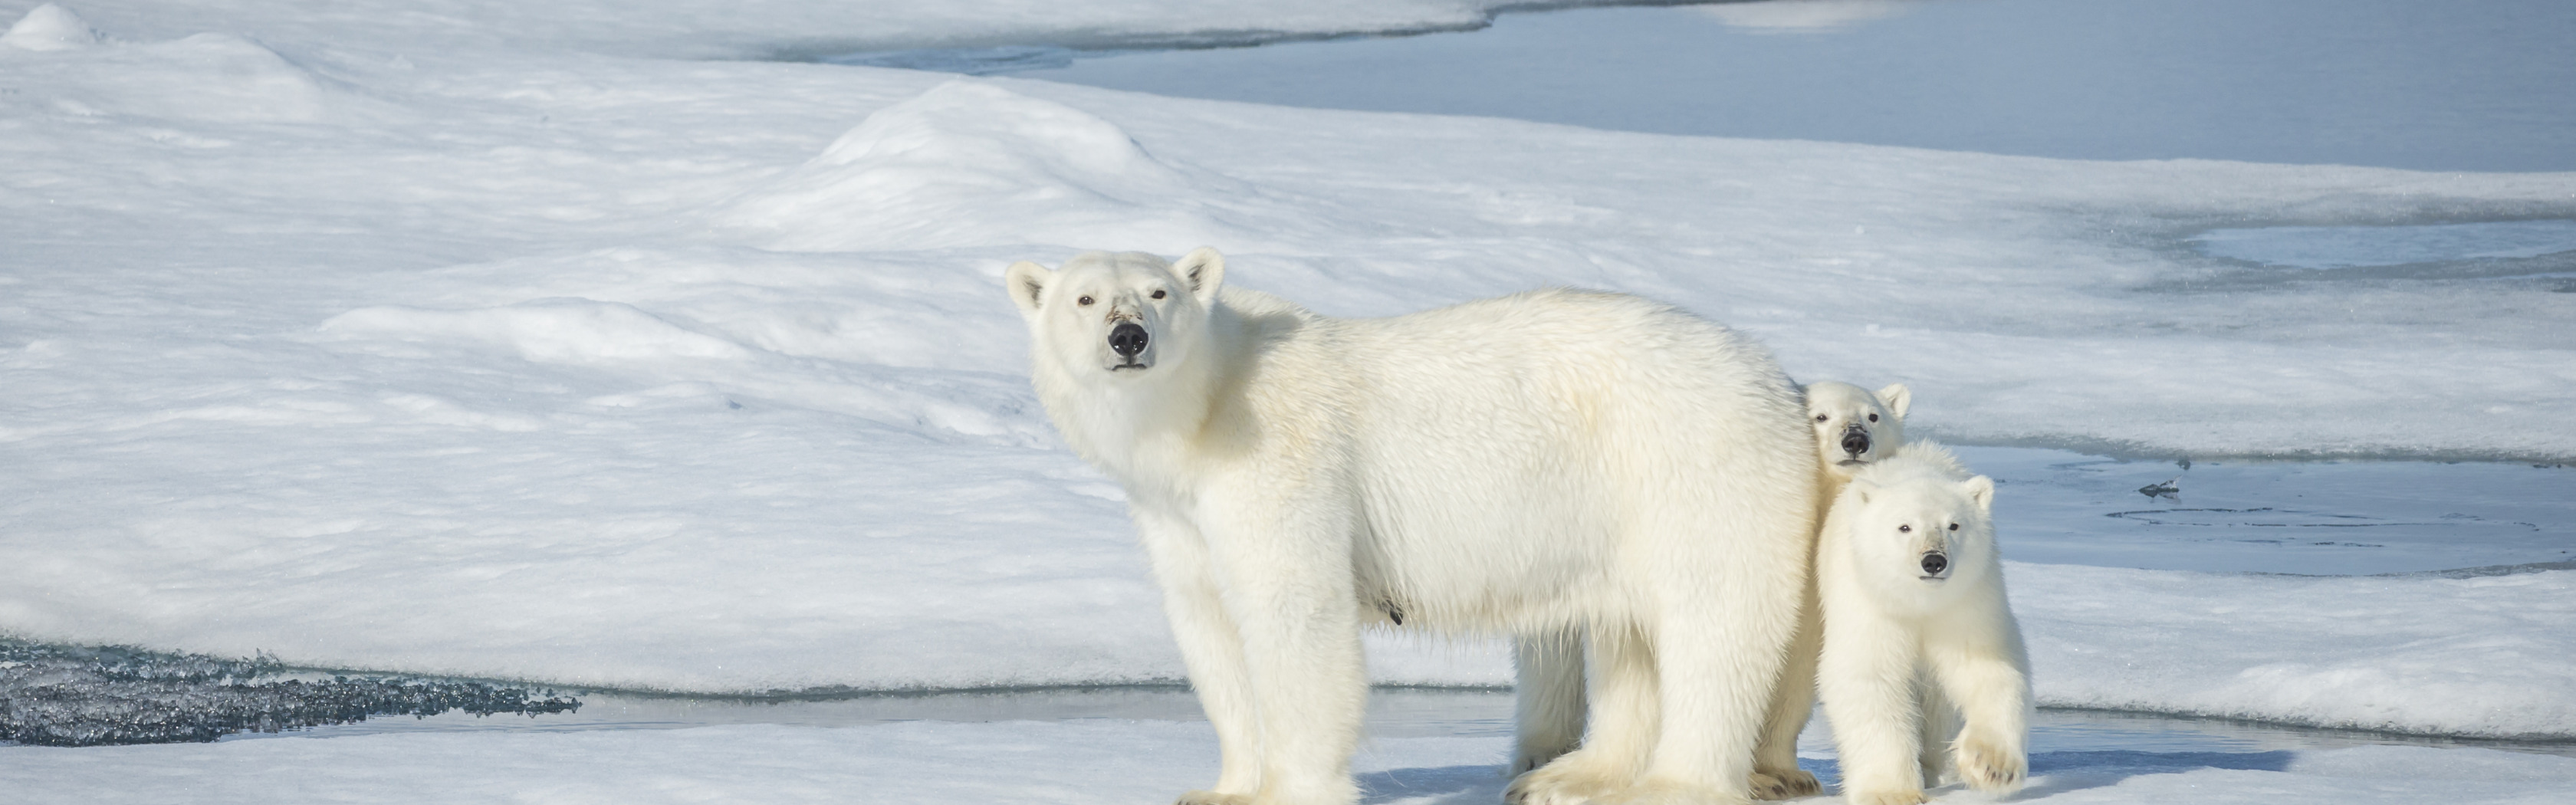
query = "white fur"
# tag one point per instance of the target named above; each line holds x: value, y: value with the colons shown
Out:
x: 1549, y: 463
x: 1551, y: 708
x: 1905, y: 650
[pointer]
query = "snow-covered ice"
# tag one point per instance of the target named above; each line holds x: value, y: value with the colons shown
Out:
x: 515, y: 341
x: 1104, y: 761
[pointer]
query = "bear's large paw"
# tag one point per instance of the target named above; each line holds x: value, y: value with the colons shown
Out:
x: 1213, y: 798
x: 1987, y: 766
x: 1568, y: 781
x: 1785, y: 784
x: 1910, y: 797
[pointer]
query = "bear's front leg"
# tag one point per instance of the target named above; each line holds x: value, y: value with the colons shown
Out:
x: 1211, y: 650
x: 1284, y: 572
x: 1867, y: 676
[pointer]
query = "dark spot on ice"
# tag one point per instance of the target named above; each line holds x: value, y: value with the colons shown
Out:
x: 2169, y: 488
x: 733, y: 405
x: 53, y: 695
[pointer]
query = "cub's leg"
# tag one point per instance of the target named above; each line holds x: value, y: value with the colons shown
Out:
x: 1867, y: 675
x: 1940, y: 726
x: 1620, y: 732
x: 1983, y: 672
x: 1549, y: 710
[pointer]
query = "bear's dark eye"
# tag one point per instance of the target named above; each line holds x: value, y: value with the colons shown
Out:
x: 1954, y: 526
x: 1905, y: 529
x: 1823, y: 417
x: 1085, y: 301
x: 1158, y: 294
x: 1873, y: 417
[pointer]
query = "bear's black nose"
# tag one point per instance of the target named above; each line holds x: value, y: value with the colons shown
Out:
x: 1127, y: 339
x: 1855, y: 441
x: 1934, y: 563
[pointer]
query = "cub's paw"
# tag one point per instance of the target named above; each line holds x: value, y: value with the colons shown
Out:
x: 1568, y: 781
x: 1785, y: 784
x: 1912, y: 797
x: 1213, y: 798
x: 1987, y: 766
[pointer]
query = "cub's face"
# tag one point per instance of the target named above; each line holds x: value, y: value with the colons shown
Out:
x: 1107, y: 317
x: 1854, y: 426
x: 1916, y: 539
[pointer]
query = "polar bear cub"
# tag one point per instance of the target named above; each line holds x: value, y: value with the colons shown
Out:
x: 1854, y: 427
x: 1916, y: 630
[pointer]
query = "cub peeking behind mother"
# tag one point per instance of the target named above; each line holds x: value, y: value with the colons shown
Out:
x: 1548, y: 463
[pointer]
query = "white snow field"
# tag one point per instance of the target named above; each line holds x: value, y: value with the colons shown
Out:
x: 524, y: 341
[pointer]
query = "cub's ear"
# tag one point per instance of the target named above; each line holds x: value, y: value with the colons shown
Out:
x: 1027, y: 283
x: 1861, y: 488
x: 1897, y: 397
x: 1982, y: 490
x: 1204, y: 270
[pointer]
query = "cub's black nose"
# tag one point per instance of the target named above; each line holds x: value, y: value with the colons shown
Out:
x: 1855, y: 441
x: 1127, y: 339
x: 1934, y: 563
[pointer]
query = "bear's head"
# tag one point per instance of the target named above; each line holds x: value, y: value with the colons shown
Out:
x: 1855, y: 426
x: 1114, y: 318
x: 1917, y: 533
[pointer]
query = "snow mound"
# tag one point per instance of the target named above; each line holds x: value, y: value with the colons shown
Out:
x: 575, y: 331
x: 209, y: 77
x: 2479, y: 657
x: 49, y: 27
x: 969, y: 163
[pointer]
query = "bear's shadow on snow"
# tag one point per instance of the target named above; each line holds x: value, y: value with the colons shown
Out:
x: 1441, y: 785
x: 2060, y: 772
x: 2052, y: 773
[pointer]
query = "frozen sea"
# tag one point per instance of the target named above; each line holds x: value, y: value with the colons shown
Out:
x: 454, y: 356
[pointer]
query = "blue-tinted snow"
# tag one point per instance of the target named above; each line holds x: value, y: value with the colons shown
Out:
x: 2483, y: 85
x: 2325, y: 247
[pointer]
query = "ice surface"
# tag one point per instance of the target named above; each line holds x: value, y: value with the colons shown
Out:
x: 431, y: 342
x: 2470, y: 656
x: 2349, y: 246
x: 1100, y: 761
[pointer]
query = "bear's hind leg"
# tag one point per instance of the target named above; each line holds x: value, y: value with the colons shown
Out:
x: 1549, y: 693
x: 1620, y: 732
x: 1793, y: 701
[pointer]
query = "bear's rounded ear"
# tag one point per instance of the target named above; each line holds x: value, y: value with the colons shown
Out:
x: 1897, y: 397
x: 1204, y: 269
x: 1982, y: 490
x: 1027, y: 283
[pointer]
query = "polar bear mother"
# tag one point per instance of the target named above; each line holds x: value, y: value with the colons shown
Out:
x: 1546, y: 463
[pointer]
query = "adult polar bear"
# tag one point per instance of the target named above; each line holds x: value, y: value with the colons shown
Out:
x: 1545, y: 463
